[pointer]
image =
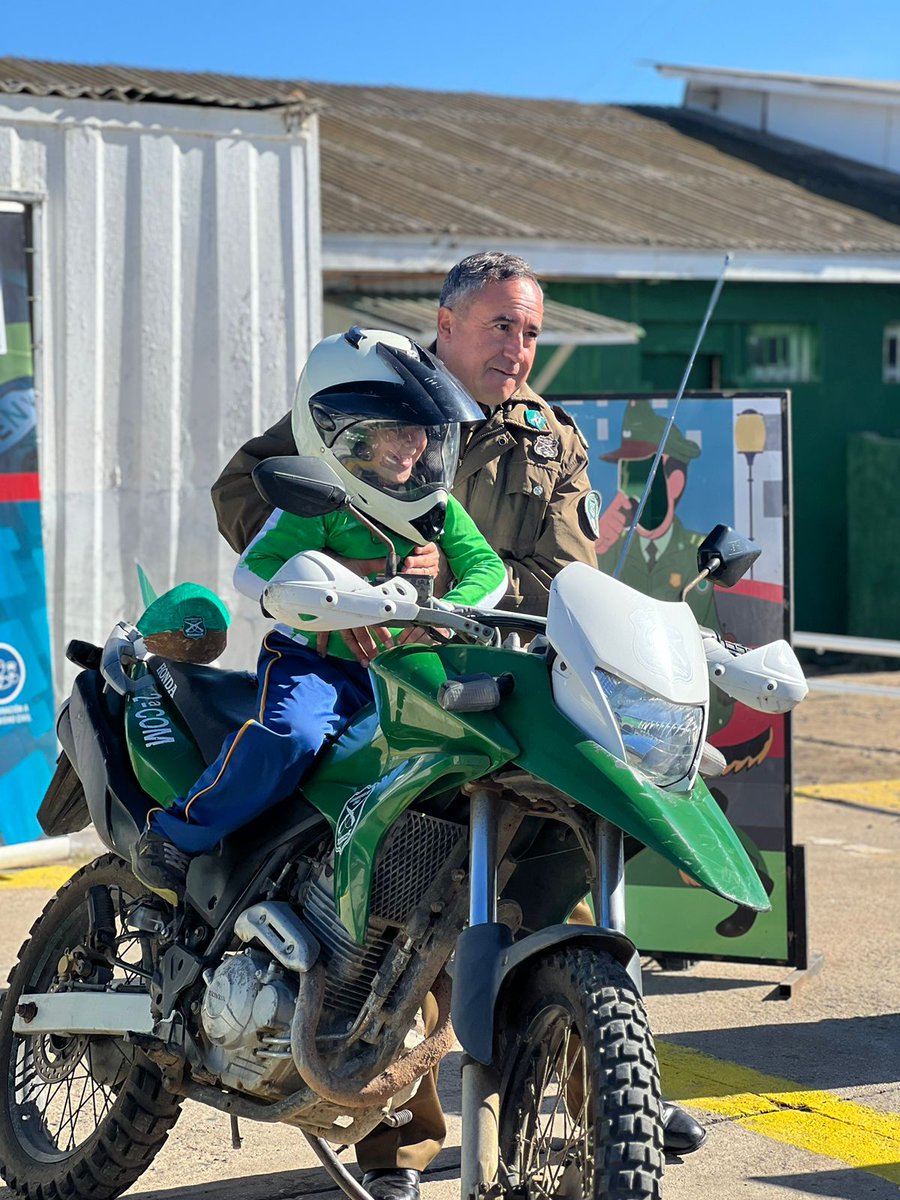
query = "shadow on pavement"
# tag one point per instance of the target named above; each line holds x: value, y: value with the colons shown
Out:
x: 842, y: 1184
x: 281, y: 1185
x: 833, y: 1053
x: 665, y: 983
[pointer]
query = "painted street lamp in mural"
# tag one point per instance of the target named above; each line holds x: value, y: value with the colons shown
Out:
x: 750, y: 440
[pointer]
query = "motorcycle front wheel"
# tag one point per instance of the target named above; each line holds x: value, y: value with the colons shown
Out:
x: 579, y: 1097
x: 79, y: 1115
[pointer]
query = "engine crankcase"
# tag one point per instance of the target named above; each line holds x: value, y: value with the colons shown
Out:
x: 246, y: 1015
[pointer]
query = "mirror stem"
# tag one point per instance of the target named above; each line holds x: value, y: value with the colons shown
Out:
x: 703, y: 574
x: 391, y: 566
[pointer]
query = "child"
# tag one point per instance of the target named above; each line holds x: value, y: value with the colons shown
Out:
x: 385, y: 415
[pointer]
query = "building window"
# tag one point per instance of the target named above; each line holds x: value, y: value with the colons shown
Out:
x: 780, y: 354
x: 890, y: 371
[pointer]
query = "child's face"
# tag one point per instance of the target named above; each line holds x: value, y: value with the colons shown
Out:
x: 395, y: 451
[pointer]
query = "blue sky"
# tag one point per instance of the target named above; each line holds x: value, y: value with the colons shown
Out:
x: 593, y: 52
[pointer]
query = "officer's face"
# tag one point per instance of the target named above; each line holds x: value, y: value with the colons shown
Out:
x: 489, y: 341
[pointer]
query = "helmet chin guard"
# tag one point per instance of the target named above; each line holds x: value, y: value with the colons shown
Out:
x: 385, y: 415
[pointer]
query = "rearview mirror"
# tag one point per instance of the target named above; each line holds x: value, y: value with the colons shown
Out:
x: 304, y: 486
x: 726, y: 556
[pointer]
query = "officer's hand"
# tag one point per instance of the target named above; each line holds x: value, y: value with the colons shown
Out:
x: 613, y: 522
x: 429, y: 560
x: 424, y: 560
x: 361, y: 642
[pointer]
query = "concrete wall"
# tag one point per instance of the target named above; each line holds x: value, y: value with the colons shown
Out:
x: 177, y: 293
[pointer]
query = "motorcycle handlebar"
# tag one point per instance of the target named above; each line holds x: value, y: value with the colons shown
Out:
x: 503, y: 620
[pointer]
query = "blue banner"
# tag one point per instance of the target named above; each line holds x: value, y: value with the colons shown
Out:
x: 27, y: 734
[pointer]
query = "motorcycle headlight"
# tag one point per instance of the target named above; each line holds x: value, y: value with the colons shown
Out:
x: 660, y: 738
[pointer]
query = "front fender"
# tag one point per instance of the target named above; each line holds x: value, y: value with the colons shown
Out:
x: 687, y: 828
x: 486, y: 957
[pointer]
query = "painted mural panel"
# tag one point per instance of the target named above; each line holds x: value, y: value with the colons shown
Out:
x: 27, y: 737
x: 726, y: 460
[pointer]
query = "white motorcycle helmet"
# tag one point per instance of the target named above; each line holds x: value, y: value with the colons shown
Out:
x: 384, y: 414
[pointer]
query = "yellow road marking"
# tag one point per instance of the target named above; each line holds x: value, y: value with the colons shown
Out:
x: 38, y: 877
x: 819, y: 1122
x: 875, y: 793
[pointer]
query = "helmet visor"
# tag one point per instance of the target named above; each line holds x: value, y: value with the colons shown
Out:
x: 404, y: 461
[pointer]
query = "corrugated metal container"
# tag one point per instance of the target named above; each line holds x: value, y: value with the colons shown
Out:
x: 177, y: 294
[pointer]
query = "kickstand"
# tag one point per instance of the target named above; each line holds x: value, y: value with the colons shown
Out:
x: 236, y: 1139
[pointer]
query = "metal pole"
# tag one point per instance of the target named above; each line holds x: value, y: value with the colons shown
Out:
x: 713, y: 300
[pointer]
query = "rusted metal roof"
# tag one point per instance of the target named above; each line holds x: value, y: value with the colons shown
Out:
x: 407, y: 163
x: 413, y: 163
x: 33, y: 78
x: 564, y: 324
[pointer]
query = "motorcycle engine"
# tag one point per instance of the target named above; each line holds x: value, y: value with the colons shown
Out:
x: 246, y: 1015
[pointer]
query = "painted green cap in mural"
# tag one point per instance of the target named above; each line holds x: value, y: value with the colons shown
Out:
x: 188, y: 622
x: 642, y: 431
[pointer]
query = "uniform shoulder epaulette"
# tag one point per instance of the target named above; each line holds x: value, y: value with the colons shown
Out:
x: 566, y: 418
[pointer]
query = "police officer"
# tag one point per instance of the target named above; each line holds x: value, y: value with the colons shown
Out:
x: 523, y: 475
x: 523, y: 479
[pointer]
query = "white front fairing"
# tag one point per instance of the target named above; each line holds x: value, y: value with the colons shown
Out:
x: 595, y: 623
x: 313, y: 591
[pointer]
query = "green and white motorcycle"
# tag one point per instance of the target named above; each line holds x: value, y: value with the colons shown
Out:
x: 448, y: 831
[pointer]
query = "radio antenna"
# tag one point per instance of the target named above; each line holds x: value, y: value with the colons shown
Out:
x: 713, y: 300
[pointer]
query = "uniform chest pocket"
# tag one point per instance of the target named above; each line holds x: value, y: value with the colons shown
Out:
x: 527, y: 490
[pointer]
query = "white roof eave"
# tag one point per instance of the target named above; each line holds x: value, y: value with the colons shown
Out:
x: 362, y: 253
x: 854, y: 91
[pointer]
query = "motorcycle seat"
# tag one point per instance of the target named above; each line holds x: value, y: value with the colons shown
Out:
x: 212, y: 702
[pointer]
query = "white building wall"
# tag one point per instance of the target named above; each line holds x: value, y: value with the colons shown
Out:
x: 842, y: 123
x: 178, y: 293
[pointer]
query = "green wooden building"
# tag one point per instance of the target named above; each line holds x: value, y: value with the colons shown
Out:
x: 835, y: 346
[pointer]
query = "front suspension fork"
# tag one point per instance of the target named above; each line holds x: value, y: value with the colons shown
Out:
x: 480, y: 1159
x: 480, y: 1156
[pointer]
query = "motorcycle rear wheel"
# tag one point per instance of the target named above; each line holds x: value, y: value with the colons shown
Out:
x: 80, y: 1115
x: 579, y: 1097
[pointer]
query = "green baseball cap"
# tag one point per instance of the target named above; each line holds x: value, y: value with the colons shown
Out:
x: 188, y: 623
x: 189, y: 608
x: 642, y: 431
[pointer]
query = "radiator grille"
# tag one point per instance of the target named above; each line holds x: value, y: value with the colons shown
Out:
x: 414, y: 851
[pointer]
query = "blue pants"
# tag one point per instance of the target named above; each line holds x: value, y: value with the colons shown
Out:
x: 303, y: 699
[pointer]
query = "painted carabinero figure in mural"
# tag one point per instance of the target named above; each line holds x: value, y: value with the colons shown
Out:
x: 663, y: 555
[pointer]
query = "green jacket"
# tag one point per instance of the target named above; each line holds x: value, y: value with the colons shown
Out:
x: 479, y: 572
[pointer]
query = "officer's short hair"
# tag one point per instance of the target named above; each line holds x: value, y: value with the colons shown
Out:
x: 477, y: 270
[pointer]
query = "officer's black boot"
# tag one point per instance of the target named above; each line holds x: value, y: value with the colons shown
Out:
x: 392, y: 1183
x: 681, y: 1133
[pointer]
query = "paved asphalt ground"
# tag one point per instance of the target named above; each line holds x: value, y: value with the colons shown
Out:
x: 801, y: 1097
